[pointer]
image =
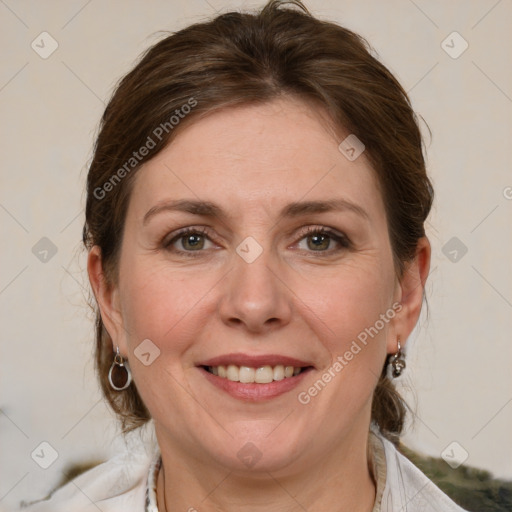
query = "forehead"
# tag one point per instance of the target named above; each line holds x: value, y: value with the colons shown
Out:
x: 257, y: 156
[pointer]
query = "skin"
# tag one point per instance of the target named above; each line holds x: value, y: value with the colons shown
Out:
x: 294, y: 300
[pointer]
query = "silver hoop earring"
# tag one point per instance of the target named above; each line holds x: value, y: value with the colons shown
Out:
x: 397, y: 361
x: 119, y: 375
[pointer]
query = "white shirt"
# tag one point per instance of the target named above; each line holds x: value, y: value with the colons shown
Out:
x: 119, y: 485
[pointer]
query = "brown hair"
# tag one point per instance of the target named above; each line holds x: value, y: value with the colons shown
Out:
x: 240, y: 58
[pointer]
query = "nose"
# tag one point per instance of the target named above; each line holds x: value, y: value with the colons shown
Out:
x: 255, y: 296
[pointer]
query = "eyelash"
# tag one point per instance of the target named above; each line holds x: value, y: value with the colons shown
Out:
x: 339, y: 238
x: 182, y: 233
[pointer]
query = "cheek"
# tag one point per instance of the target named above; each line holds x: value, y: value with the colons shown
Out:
x: 167, y: 307
x: 351, y: 298
x: 351, y: 311
x: 159, y: 303
x: 344, y: 310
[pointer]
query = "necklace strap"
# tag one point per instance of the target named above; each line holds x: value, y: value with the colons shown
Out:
x: 154, y: 469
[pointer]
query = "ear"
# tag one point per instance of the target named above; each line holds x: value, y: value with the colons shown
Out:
x: 107, y: 297
x: 410, y: 294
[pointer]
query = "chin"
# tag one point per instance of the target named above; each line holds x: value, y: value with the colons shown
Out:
x: 263, y: 448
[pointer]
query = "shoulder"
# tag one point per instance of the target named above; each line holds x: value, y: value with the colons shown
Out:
x: 407, y: 488
x: 114, y: 486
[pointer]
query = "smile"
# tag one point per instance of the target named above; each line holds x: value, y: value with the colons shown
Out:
x: 248, y: 375
x: 254, y: 378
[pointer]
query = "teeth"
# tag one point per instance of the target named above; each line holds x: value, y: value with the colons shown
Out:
x: 233, y: 373
x: 264, y: 375
x: 248, y: 375
x: 279, y: 372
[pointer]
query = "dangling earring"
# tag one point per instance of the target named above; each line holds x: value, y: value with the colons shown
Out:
x: 397, y: 361
x: 119, y: 375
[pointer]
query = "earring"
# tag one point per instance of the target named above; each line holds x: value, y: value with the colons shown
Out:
x: 119, y: 375
x: 397, y: 361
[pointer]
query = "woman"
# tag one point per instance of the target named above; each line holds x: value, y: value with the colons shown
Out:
x: 255, y: 226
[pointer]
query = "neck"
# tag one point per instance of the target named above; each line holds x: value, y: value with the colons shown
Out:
x: 340, y: 481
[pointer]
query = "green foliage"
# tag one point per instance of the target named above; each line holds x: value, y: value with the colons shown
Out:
x: 472, y: 488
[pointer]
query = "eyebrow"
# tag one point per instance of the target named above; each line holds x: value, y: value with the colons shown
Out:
x: 203, y: 208
x: 296, y: 209
x: 309, y: 207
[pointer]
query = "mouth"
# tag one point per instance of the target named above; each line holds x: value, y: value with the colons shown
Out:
x: 261, y: 375
x: 254, y: 378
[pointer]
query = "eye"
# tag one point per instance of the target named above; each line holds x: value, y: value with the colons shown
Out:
x: 318, y: 239
x: 189, y: 240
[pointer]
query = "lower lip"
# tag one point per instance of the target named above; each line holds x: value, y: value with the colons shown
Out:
x: 255, y: 392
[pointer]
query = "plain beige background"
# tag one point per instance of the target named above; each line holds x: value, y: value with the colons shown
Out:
x: 459, y: 363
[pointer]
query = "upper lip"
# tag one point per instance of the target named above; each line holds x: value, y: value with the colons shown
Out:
x: 254, y: 361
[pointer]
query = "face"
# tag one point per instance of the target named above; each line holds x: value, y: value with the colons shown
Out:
x: 255, y: 251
